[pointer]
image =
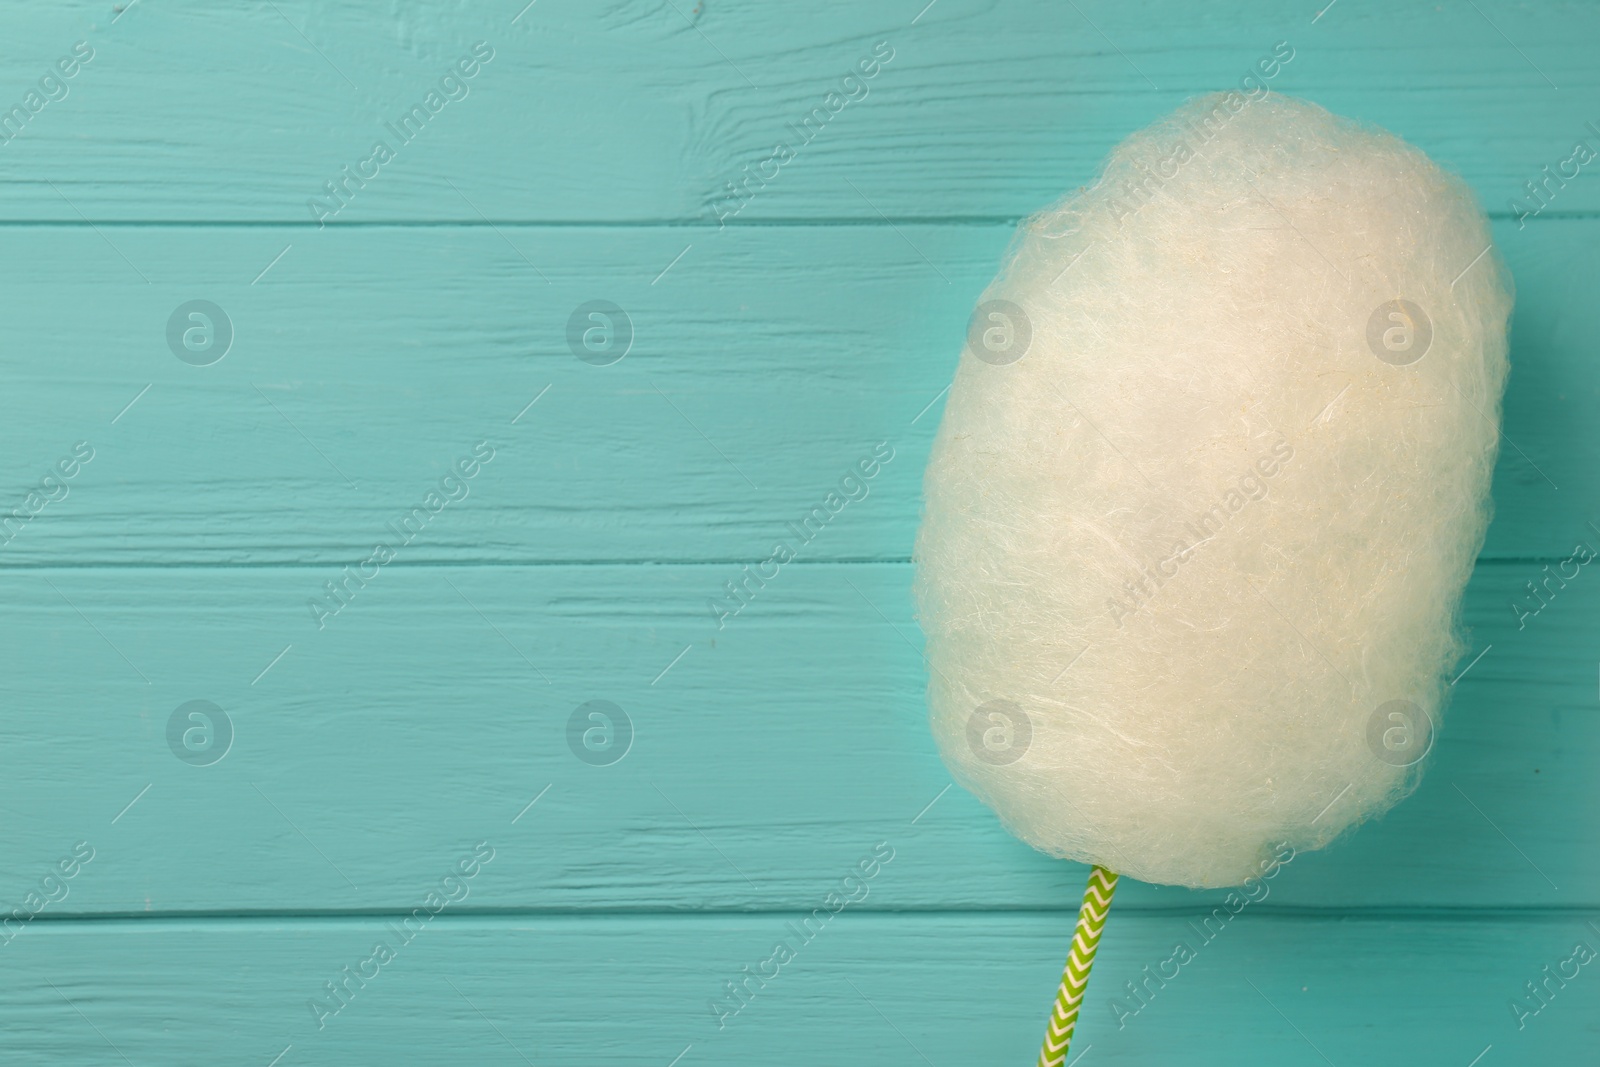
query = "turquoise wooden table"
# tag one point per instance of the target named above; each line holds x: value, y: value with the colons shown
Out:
x: 402, y: 404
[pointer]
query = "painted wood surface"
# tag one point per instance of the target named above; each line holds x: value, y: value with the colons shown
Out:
x: 763, y: 366
x: 643, y: 111
x: 910, y: 988
x: 373, y: 747
x: 436, y: 706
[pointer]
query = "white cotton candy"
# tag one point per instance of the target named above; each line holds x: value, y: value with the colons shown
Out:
x: 1199, y: 520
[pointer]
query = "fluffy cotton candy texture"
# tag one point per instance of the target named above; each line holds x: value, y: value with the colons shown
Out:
x: 1179, y: 554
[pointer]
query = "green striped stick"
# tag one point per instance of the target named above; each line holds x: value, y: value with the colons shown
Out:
x: 1075, y: 978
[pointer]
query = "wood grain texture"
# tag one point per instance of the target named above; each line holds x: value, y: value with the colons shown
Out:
x: 941, y: 990
x: 435, y: 706
x: 765, y: 363
x: 589, y: 161
x: 641, y: 111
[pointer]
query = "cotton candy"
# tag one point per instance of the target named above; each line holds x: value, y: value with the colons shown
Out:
x: 1209, y: 483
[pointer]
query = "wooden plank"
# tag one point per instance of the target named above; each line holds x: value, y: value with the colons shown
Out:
x: 866, y: 989
x: 769, y: 755
x: 436, y: 706
x: 755, y: 381
x: 644, y: 112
